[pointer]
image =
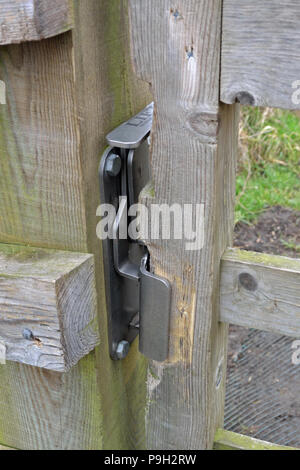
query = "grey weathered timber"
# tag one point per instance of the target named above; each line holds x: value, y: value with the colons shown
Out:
x: 64, y: 95
x: 261, y: 291
x: 30, y: 20
x: 48, y: 306
x: 176, y: 49
x: 261, y: 53
x: 226, y: 440
x: 42, y: 201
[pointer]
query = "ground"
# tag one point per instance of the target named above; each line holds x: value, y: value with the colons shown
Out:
x: 277, y: 231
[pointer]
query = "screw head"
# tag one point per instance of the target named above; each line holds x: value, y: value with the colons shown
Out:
x: 122, y: 349
x: 28, y: 335
x: 113, y: 164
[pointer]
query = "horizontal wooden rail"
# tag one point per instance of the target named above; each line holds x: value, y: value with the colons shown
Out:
x: 226, y: 440
x: 6, y: 448
x: 261, y: 53
x: 31, y: 20
x: 261, y: 291
x: 47, y: 306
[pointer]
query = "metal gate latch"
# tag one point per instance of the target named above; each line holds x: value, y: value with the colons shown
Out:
x: 137, y: 300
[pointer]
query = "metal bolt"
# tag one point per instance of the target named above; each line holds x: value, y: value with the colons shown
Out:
x: 122, y: 349
x: 27, y: 334
x: 113, y: 164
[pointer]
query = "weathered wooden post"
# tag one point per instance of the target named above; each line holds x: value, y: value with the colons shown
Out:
x: 176, y: 49
x: 63, y: 94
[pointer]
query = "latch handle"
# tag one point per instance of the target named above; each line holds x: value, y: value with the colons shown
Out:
x: 155, y: 300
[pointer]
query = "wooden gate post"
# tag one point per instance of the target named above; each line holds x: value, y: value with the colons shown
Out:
x: 63, y: 95
x: 176, y: 49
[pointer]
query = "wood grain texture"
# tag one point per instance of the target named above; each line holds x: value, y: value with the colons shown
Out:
x: 108, y: 93
x: 77, y: 88
x: 261, y: 291
x: 260, y: 52
x: 52, y: 294
x: 226, y: 440
x: 42, y: 409
x: 30, y: 20
x: 176, y: 48
x: 41, y: 191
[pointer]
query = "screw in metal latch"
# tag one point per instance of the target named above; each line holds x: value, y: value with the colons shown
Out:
x: 113, y: 165
x: 122, y: 350
x: 28, y: 335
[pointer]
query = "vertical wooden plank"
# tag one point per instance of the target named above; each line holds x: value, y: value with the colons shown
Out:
x: 78, y: 87
x: 41, y: 190
x: 42, y: 204
x: 42, y: 410
x: 108, y: 93
x: 176, y: 48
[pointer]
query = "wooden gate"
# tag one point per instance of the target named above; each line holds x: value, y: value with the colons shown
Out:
x: 71, y: 71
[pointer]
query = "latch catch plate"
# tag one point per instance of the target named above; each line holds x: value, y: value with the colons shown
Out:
x: 137, y: 300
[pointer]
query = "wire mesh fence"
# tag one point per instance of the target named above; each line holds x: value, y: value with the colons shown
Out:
x: 263, y: 387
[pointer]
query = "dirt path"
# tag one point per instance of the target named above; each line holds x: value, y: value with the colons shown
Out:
x: 277, y: 232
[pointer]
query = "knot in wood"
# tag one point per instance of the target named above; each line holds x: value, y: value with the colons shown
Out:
x: 245, y: 98
x: 248, y: 281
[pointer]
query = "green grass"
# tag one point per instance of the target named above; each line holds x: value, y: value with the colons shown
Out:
x: 269, y: 163
x: 291, y: 245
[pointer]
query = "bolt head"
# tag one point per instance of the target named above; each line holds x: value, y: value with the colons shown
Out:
x: 122, y: 349
x: 28, y: 335
x: 113, y: 165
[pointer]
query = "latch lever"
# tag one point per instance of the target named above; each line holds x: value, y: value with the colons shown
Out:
x: 137, y: 300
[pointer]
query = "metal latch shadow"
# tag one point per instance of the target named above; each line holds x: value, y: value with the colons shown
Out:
x: 138, y: 302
